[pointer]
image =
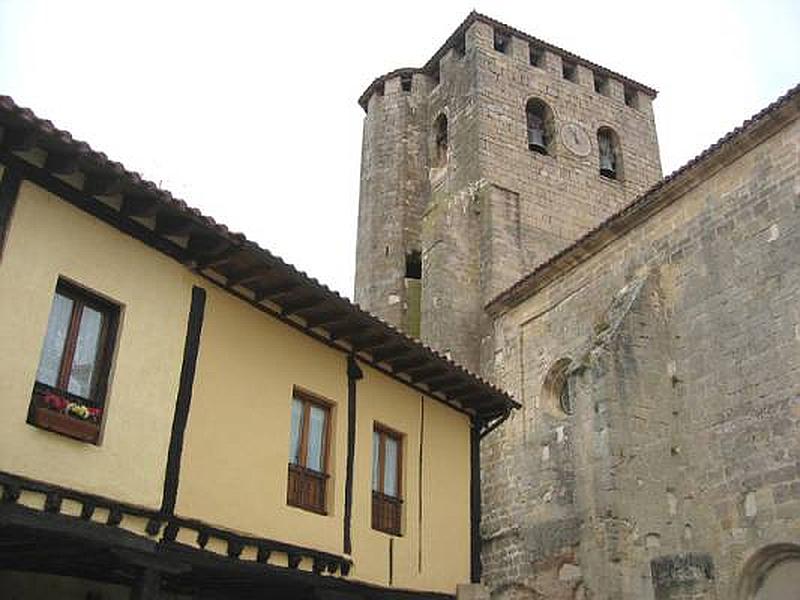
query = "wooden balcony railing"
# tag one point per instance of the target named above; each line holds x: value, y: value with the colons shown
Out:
x: 306, y: 489
x: 386, y: 513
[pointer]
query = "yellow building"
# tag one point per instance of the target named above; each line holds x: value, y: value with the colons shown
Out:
x: 187, y: 416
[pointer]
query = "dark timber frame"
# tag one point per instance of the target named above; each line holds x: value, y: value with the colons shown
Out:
x: 191, y: 348
x: 354, y: 373
x: 476, y: 568
x: 9, y: 188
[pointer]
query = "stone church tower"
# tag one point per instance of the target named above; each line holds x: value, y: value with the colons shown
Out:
x: 481, y: 165
x: 512, y: 215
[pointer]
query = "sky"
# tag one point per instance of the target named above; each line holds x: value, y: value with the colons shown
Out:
x: 247, y: 110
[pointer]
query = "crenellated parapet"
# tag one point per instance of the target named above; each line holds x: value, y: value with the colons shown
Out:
x: 525, y: 48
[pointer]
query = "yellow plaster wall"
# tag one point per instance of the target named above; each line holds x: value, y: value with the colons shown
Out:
x: 49, y: 238
x: 434, y: 556
x: 234, y: 462
x: 235, y: 457
x: 236, y: 449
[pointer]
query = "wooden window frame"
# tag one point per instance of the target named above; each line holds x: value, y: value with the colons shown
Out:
x: 387, y: 510
x: 307, y: 488
x: 44, y: 417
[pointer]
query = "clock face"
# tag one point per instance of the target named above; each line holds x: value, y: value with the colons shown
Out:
x: 575, y: 139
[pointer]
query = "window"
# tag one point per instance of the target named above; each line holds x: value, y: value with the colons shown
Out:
x: 69, y: 392
x: 440, y: 141
x: 631, y: 97
x: 386, y: 491
x: 413, y: 289
x: 502, y: 41
x: 608, y: 151
x: 601, y: 84
x: 539, y: 120
x: 414, y: 265
x: 536, y: 56
x: 569, y: 71
x: 308, y: 451
x: 405, y: 82
x: 556, y: 390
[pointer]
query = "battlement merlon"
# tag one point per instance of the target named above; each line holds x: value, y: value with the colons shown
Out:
x: 457, y: 41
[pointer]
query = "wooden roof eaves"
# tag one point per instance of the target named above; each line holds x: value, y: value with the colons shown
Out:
x: 180, y: 223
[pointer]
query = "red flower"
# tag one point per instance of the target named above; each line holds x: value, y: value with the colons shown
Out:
x: 54, y: 401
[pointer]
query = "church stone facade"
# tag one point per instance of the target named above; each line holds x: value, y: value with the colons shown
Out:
x: 513, y: 215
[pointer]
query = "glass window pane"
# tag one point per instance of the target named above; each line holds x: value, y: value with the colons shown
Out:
x: 57, y: 325
x: 390, y: 466
x: 316, y: 438
x: 294, y: 437
x: 84, y: 362
x: 376, y: 445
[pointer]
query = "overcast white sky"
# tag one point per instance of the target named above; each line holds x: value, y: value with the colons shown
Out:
x: 247, y: 110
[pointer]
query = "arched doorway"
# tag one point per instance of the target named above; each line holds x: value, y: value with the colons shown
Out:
x: 773, y: 573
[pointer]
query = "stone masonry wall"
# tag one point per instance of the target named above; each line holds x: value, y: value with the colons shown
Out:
x: 495, y: 209
x: 394, y: 192
x: 681, y: 464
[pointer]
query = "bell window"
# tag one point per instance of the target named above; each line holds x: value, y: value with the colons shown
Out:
x: 569, y: 71
x: 502, y: 41
x: 631, y: 97
x: 536, y: 56
x: 539, y: 123
x: 609, y: 154
x: 601, y: 84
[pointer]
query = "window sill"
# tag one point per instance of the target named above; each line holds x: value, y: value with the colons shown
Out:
x: 56, y: 422
x: 387, y: 532
x: 387, y: 514
x: 610, y: 180
x: 309, y: 485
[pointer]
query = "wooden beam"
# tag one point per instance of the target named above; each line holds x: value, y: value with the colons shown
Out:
x: 425, y: 370
x: 276, y: 290
x: 323, y: 318
x: 173, y: 225
x: 250, y: 275
x: 364, y: 343
x: 388, y: 352
x: 290, y: 307
x: 406, y: 360
x: 20, y: 140
x: 96, y: 184
x: 468, y: 398
x: 456, y: 388
x: 61, y: 164
x: 9, y: 189
x: 181, y: 415
x: 207, y: 245
x: 437, y: 380
x: 139, y: 206
x: 348, y: 327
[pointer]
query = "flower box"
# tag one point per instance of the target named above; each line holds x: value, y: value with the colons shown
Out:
x: 86, y: 431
